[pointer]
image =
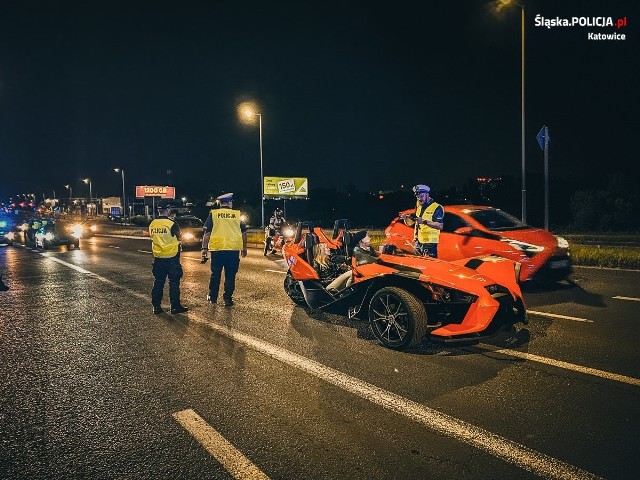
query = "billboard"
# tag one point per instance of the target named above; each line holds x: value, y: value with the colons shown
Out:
x: 143, y: 191
x: 286, y: 187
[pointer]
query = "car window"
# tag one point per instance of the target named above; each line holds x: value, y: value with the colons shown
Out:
x: 495, y: 219
x: 452, y: 222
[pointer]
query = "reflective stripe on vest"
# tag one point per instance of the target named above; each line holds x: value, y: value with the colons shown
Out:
x: 226, y: 233
x: 164, y: 245
x: 425, y: 233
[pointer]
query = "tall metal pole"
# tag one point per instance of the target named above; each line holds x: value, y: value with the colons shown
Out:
x: 124, y: 200
x: 261, y: 172
x: 522, y: 140
x: 546, y: 178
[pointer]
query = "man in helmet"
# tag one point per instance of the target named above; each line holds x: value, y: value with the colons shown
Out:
x: 277, y: 219
x: 165, y: 237
x: 427, y: 221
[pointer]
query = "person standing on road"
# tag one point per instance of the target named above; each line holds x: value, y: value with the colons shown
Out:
x: 428, y: 221
x: 225, y: 236
x: 165, y: 243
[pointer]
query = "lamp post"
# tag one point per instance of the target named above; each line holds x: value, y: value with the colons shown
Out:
x: 504, y: 3
x: 248, y: 112
x: 88, y: 180
x: 68, y: 187
x: 124, y: 209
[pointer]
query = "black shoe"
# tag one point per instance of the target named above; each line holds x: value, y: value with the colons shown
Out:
x: 179, y: 309
x: 228, y: 303
x: 157, y: 309
x: 211, y: 300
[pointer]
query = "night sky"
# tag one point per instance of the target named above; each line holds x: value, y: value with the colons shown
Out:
x: 366, y: 95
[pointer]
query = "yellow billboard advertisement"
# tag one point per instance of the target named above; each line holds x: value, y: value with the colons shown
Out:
x: 286, y: 187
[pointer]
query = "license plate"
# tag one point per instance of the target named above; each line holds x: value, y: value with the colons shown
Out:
x: 559, y: 264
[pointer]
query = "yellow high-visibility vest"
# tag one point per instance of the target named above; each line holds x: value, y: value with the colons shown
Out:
x: 424, y: 232
x: 163, y: 244
x: 226, y: 233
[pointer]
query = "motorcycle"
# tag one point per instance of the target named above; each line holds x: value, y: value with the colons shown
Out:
x: 275, y: 240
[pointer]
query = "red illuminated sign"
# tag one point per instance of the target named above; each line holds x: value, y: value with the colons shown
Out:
x: 155, y: 191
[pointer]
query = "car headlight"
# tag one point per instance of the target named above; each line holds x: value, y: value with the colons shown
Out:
x: 449, y: 295
x: 288, y: 232
x: 10, y: 236
x: 48, y: 236
x: 188, y: 236
x: 528, y: 248
x: 76, y: 230
x: 93, y: 228
x: 562, y: 243
x: 243, y: 218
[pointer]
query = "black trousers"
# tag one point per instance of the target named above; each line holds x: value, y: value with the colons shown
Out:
x: 229, y: 261
x: 163, y: 268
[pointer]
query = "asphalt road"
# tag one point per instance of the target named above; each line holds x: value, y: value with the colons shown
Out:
x: 96, y: 386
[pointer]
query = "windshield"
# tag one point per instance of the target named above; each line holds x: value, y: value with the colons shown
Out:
x: 497, y: 220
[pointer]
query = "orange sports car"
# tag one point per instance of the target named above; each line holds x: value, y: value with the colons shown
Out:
x: 405, y: 297
x: 471, y: 230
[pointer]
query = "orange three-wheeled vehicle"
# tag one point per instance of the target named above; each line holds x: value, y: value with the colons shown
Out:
x: 405, y: 297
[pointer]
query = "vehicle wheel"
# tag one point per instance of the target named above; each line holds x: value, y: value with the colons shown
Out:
x: 76, y: 244
x: 267, y: 246
x: 45, y: 245
x: 292, y: 288
x: 397, y: 318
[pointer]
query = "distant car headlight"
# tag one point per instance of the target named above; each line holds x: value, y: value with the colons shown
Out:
x: 288, y: 232
x: 93, y: 228
x: 10, y: 236
x: 76, y: 230
x: 49, y: 236
x: 528, y: 248
x: 243, y: 218
x: 3, y: 224
x: 188, y: 236
x: 562, y: 243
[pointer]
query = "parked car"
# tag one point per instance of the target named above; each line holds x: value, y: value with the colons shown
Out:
x: 57, y: 233
x: 471, y: 231
x: 405, y: 297
x: 192, y: 230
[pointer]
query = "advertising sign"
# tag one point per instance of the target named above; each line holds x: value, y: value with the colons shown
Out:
x: 286, y: 187
x: 143, y: 191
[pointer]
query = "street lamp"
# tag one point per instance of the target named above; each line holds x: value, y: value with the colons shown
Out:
x: 88, y: 180
x: 248, y: 113
x: 124, y: 210
x: 504, y: 3
x: 68, y: 187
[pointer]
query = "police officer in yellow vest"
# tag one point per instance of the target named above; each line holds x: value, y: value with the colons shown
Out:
x: 225, y: 236
x: 428, y: 221
x: 165, y: 237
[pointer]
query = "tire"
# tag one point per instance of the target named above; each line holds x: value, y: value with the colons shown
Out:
x: 397, y: 318
x: 45, y: 245
x: 77, y: 244
x: 267, y: 245
x: 292, y: 289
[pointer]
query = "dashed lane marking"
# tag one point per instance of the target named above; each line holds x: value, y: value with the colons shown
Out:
x: 144, y: 251
x: 113, y: 246
x: 555, y: 315
x: 220, y: 448
x: 526, y: 458
x: 633, y: 299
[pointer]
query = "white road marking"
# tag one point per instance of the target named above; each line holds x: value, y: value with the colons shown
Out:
x: 66, y: 264
x: 555, y: 315
x: 564, y: 365
x: 231, y: 458
x: 528, y: 459
x: 113, y: 246
x: 606, y: 268
x: 633, y: 299
x: 144, y: 251
x: 188, y: 258
x: 275, y: 271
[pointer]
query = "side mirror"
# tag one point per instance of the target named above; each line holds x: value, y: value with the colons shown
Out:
x: 463, y: 231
